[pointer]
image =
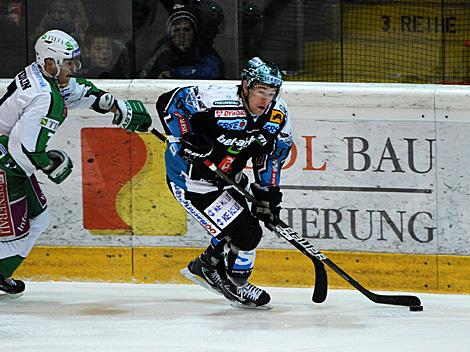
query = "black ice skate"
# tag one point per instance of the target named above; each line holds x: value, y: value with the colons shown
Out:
x: 246, y: 296
x: 203, y: 274
x: 13, y: 288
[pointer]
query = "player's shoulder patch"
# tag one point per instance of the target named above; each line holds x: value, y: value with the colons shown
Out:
x: 193, y: 99
x: 279, y: 112
x: 281, y: 106
x: 277, y: 116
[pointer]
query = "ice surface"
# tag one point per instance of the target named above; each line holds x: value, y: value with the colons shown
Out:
x: 70, y: 317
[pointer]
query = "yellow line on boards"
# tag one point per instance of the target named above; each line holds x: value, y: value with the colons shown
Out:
x: 289, y: 268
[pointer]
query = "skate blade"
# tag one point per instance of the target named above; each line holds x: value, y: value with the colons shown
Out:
x: 197, y: 280
x: 8, y: 296
x: 237, y: 304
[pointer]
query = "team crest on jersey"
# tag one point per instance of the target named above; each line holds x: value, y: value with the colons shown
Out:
x: 50, y: 124
x: 277, y: 116
x: 236, y: 125
x: 192, y: 100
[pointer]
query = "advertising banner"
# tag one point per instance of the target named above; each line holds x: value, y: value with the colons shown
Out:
x: 374, y: 168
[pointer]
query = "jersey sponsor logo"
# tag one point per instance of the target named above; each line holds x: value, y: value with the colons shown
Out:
x: 275, y: 166
x: 213, y: 230
x: 230, y: 113
x: 6, y: 225
x: 261, y: 140
x: 224, y: 210
x: 183, y: 124
x: 276, y: 116
x: 227, y: 102
x: 271, y: 127
x: 245, y: 260
x: 236, y: 144
x: 226, y: 164
x: 39, y: 77
x: 238, y: 124
x: 50, y: 124
x: 24, y: 81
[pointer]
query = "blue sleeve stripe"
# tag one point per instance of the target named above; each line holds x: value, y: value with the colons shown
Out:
x: 271, y: 173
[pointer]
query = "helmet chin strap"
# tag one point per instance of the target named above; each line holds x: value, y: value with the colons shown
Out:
x: 43, y: 69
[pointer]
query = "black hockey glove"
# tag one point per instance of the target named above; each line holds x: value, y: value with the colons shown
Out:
x: 195, y: 147
x: 269, y: 209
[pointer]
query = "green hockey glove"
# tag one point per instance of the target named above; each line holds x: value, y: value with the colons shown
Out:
x: 132, y: 115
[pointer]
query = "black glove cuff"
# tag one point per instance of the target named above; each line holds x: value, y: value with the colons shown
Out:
x: 195, y: 146
x: 272, y: 195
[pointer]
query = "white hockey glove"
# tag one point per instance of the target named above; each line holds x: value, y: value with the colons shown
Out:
x: 104, y: 103
x: 60, y: 166
x: 132, y: 115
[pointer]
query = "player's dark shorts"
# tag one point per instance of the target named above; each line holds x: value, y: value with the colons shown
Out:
x: 222, y: 213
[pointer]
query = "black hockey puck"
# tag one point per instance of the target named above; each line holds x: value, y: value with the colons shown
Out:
x: 416, y: 308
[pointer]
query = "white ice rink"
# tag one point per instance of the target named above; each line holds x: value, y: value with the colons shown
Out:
x: 70, y: 317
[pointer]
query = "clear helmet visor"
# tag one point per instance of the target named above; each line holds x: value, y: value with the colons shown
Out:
x: 71, y: 65
x: 78, y: 64
x: 74, y: 64
x: 264, y: 91
x: 76, y: 59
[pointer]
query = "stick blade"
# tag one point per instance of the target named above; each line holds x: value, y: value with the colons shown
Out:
x: 320, y: 290
x: 399, y: 300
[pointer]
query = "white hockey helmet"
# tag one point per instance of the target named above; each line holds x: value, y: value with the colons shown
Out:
x: 57, y: 45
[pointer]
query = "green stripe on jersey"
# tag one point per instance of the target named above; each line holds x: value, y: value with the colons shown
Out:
x: 49, y: 124
x: 91, y: 88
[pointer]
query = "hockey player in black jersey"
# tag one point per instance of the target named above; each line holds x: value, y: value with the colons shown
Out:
x: 229, y: 126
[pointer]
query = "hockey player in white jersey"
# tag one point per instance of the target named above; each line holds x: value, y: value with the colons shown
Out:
x: 31, y: 113
x: 229, y: 126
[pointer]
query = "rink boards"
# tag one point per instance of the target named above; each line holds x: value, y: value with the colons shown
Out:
x: 377, y: 178
x: 290, y: 268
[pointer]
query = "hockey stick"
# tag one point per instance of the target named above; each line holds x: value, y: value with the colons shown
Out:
x: 321, y: 278
x: 309, y: 250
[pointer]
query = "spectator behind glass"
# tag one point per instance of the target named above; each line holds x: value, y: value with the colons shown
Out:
x: 210, y: 17
x: 179, y: 54
x: 101, y: 51
x: 12, y: 38
x: 65, y: 15
x: 249, y: 30
x: 135, y: 52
